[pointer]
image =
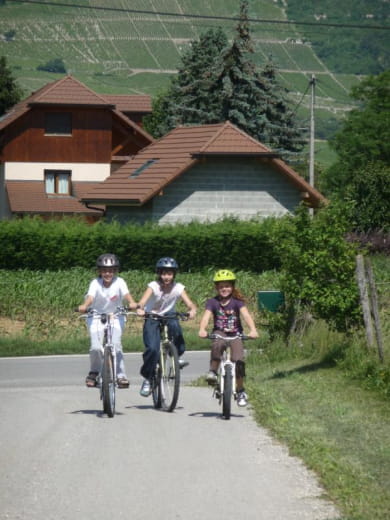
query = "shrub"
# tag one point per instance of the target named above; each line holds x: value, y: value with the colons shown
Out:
x: 55, y: 65
x: 319, y: 265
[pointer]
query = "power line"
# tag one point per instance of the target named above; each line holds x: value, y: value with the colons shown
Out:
x: 303, y: 95
x: 204, y: 17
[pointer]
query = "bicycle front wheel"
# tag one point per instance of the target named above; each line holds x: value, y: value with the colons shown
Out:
x: 227, y: 392
x: 170, y: 377
x: 108, y: 384
x: 156, y: 387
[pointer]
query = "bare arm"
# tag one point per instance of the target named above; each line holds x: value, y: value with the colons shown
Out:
x: 141, y: 304
x: 245, y: 314
x: 87, y: 303
x: 204, y: 323
x: 130, y: 300
x: 189, y: 303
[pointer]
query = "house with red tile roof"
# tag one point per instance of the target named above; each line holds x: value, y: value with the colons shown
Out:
x: 202, y: 173
x: 63, y: 140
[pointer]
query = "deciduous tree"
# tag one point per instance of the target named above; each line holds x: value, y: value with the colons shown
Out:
x: 361, y: 172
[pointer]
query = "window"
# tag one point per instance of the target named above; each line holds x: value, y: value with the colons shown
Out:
x: 58, y: 182
x: 58, y: 123
x: 146, y: 165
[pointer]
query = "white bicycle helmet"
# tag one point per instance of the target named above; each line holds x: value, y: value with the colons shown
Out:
x: 107, y: 260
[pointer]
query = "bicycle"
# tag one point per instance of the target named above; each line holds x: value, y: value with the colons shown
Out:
x: 225, y: 386
x: 166, y: 379
x: 106, y: 380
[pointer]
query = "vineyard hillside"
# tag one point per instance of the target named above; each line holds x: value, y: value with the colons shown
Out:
x: 134, y: 46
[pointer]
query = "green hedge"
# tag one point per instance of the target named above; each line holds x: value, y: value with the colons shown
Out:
x: 32, y: 243
x: 316, y: 263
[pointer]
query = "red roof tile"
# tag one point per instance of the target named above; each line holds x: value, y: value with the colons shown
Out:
x: 232, y: 139
x: 68, y: 91
x: 126, y: 103
x: 30, y: 197
x: 160, y: 163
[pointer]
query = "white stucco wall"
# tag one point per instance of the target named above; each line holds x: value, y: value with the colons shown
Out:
x: 21, y: 171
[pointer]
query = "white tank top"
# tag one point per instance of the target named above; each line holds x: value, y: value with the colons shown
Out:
x: 163, y: 302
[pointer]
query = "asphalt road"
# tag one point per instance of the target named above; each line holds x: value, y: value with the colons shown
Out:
x: 62, y: 459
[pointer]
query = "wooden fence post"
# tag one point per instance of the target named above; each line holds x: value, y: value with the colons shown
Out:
x: 374, y: 308
x: 361, y: 279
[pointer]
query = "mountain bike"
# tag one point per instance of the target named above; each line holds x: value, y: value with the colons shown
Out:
x: 225, y: 386
x: 166, y: 378
x: 106, y: 380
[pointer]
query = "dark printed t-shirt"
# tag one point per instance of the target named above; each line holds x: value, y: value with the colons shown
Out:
x: 226, y: 318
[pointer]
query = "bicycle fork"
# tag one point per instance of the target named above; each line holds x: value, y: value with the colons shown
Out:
x: 219, y: 387
x: 108, y: 349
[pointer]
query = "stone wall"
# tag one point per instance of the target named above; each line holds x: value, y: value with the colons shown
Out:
x: 218, y: 187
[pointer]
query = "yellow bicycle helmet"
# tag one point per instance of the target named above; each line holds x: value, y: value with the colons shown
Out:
x: 223, y: 275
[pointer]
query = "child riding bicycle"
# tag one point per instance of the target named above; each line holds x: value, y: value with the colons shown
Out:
x: 160, y: 297
x: 105, y: 294
x: 228, y: 309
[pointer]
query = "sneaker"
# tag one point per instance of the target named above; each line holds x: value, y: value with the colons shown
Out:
x: 91, y: 379
x: 146, y: 388
x: 123, y: 382
x: 242, y: 398
x: 211, y: 377
x: 183, y: 363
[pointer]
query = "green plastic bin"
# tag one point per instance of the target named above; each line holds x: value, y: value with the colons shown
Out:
x: 270, y: 300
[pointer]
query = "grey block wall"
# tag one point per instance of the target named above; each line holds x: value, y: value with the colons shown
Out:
x: 218, y: 187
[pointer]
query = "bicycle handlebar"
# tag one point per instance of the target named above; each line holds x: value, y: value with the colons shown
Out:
x: 228, y: 338
x: 183, y: 316
x: 93, y: 313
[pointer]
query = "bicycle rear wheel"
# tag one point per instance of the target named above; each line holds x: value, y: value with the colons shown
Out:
x: 170, y: 377
x: 227, y: 392
x: 108, y: 384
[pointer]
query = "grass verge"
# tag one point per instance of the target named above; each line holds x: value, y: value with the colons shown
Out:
x: 339, y: 429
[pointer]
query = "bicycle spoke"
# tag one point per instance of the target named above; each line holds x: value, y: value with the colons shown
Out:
x: 156, y: 388
x: 108, y: 384
x: 227, y: 392
x: 170, y: 377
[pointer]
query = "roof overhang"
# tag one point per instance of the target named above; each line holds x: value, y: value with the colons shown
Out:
x: 66, y: 104
x: 267, y: 155
x: 114, y: 202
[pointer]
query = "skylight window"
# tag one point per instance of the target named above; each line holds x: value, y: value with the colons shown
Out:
x: 142, y: 168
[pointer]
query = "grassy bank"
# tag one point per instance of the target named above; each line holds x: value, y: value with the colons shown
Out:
x: 328, y: 418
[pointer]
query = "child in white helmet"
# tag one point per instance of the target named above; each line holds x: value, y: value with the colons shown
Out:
x: 228, y: 310
x: 160, y: 297
x: 105, y: 294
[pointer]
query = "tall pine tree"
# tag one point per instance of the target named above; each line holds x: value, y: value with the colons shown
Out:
x: 219, y: 82
x: 10, y: 92
x: 188, y: 99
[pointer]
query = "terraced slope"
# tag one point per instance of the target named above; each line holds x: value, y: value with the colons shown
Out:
x: 134, y: 46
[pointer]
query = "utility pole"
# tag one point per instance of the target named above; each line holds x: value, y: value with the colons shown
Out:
x: 311, y: 158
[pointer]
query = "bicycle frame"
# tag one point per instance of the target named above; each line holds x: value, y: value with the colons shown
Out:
x: 166, y: 381
x: 225, y: 387
x: 225, y: 362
